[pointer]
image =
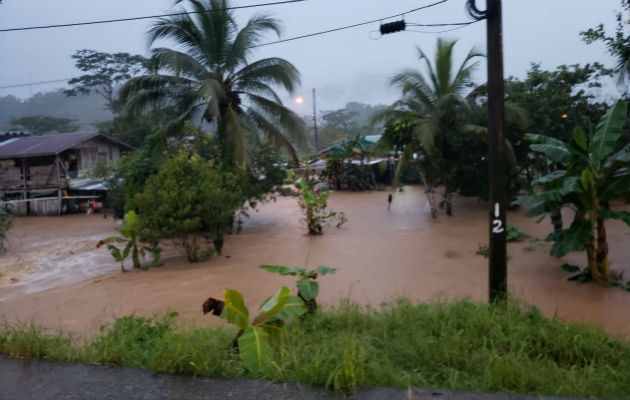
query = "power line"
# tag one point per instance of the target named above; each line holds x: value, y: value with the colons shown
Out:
x: 34, y: 83
x: 350, y: 26
x: 461, y: 25
x: 458, y: 25
x: 108, y: 21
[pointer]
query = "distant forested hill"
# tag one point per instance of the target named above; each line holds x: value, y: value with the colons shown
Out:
x: 85, y: 109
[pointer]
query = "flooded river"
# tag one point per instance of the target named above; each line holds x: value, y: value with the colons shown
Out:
x: 54, y: 275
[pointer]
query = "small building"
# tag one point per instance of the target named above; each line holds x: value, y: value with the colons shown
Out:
x: 36, y: 172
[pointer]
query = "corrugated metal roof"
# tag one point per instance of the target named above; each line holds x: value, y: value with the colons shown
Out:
x: 31, y: 146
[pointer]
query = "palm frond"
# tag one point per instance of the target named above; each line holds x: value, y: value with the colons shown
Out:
x: 274, y: 134
x: 284, y: 117
x: 249, y: 36
x: 414, y: 85
x: 178, y: 63
x: 273, y: 70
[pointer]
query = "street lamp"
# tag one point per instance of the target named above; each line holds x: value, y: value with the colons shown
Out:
x: 299, y: 100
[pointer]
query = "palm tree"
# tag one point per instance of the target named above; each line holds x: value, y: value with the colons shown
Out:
x: 207, y: 74
x: 434, y: 107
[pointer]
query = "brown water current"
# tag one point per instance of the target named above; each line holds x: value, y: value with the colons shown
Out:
x: 55, y: 276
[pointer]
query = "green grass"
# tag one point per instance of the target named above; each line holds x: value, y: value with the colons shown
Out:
x: 460, y: 346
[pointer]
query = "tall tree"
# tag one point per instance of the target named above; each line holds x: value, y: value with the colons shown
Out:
x: 433, y: 104
x: 618, y: 44
x: 104, y: 73
x: 208, y: 75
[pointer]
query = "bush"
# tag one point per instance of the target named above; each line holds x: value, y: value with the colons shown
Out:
x: 6, y: 221
x: 190, y: 201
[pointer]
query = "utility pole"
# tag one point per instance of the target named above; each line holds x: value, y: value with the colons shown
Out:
x: 315, y: 124
x: 497, y: 271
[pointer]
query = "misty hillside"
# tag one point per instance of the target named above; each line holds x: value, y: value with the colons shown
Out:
x: 85, y: 109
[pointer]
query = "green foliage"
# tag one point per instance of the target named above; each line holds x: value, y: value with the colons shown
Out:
x: 456, y: 346
x: 591, y: 173
x: 308, y: 287
x: 40, y: 124
x: 618, y: 45
x: 212, y: 76
x: 133, y: 236
x: 483, y: 250
x: 316, y: 214
x: 190, y: 200
x: 255, y: 340
x: 6, y: 221
x: 104, y: 73
x: 134, y: 129
x: 439, y: 117
x: 570, y: 267
x: 128, y: 176
x: 513, y: 234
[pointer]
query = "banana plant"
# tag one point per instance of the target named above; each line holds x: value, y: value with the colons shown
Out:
x: 130, y: 231
x: 316, y: 215
x: 255, y: 339
x: 308, y: 287
x: 593, y: 173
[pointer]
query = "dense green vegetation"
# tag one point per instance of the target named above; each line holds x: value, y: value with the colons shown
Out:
x: 591, y: 170
x: 462, y: 346
x: 191, y: 201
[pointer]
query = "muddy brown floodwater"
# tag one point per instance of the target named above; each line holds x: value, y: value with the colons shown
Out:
x: 55, y: 276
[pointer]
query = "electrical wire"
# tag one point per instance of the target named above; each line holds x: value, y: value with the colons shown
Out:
x: 350, y: 26
x: 33, y: 83
x: 288, y: 39
x: 108, y: 21
x: 458, y: 25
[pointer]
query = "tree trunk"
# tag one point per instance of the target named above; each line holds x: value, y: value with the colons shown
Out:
x: 431, y: 197
x: 602, y: 249
x: 447, y: 203
x: 592, y: 258
x: 556, y: 221
x: 428, y: 190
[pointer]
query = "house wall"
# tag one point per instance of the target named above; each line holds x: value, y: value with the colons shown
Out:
x: 96, y: 151
x: 41, y: 173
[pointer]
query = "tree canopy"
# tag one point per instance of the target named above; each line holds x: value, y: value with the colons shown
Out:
x: 207, y: 74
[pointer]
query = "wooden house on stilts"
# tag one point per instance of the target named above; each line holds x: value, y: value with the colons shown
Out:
x: 37, y: 173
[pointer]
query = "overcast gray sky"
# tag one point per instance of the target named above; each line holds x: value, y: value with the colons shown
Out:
x: 343, y: 66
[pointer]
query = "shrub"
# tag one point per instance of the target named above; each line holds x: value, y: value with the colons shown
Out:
x: 192, y: 202
x: 316, y: 214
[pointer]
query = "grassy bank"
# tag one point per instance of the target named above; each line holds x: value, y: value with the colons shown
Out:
x: 462, y: 346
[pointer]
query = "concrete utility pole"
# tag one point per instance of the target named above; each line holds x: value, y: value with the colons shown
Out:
x: 497, y: 271
x: 315, y: 124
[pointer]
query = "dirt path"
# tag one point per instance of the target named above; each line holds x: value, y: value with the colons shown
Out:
x: 380, y: 256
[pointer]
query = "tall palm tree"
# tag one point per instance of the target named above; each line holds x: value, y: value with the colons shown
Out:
x: 207, y: 74
x: 433, y: 106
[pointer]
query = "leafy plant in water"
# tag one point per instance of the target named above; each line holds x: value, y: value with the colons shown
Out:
x: 130, y: 231
x: 255, y: 339
x: 483, y: 250
x: 513, y: 234
x: 594, y: 172
x: 308, y: 287
x: 315, y: 210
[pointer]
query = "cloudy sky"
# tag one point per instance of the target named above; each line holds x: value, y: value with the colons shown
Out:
x: 349, y: 65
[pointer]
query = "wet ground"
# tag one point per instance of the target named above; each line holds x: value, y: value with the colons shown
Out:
x: 55, y: 275
x: 43, y: 380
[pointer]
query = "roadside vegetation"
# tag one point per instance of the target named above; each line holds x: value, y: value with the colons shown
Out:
x: 459, y: 346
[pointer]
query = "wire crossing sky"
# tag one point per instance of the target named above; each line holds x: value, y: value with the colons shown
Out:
x: 331, y: 42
